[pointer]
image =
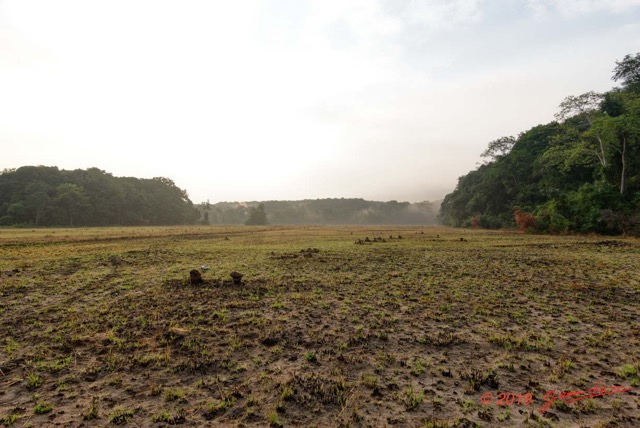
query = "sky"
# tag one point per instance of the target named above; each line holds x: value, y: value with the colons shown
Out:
x: 294, y: 99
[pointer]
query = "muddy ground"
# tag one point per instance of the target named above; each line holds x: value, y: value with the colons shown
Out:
x: 361, y: 327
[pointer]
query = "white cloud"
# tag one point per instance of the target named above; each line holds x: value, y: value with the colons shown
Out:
x: 574, y: 8
x: 439, y: 15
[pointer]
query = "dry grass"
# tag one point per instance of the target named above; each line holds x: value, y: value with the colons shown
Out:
x: 100, y: 327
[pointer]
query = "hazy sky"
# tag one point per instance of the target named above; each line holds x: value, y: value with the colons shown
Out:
x: 292, y: 99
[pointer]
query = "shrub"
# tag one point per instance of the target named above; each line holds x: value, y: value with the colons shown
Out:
x: 549, y: 219
x: 524, y: 220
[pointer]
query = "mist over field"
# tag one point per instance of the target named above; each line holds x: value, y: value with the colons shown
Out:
x: 324, y: 211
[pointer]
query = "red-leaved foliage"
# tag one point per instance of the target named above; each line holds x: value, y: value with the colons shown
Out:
x: 523, y: 220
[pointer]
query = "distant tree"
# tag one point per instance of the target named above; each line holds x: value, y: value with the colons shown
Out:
x: 257, y: 216
x: 72, y: 199
x: 587, y: 108
x: 498, y: 148
x: 37, y: 200
x: 613, y: 104
x: 47, y: 196
x: 205, y: 218
x: 628, y: 70
x: 622, y: 135
x: 586, y: 105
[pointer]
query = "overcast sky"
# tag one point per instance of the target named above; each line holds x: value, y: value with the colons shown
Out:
x: 293, y: 99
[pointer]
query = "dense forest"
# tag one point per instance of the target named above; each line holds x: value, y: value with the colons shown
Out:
x: 47, y: 196
x: 320, y: 211
x: 580, y: 173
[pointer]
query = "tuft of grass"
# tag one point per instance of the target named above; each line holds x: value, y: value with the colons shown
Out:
x: 418, y: 368
x: 42, y: 408
x: 9, y: 420
x: 562, y: 406
x: 121, y: 415
x: 628, y: 370
x: 370, y: 380
x: 287, y: 393
x: 523, y: 343
x: 10, y: 345
x: 274, y: 420
x: 467, y: 405
x: 34, y: 381
x: 504, y: 416
x: 175, y: 395
x: 587, y: 406
x: 170, y: 419
x: 572, y: 320
x: 92, y: 411
x: 413, y: 398
x: 437, y: 424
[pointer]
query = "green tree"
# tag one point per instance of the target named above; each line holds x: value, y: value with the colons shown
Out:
x: 499, y: 148
x: 585, y: 109
x: 628, y: 71
x: 37, y: 200
x: 622, y: 135
x: 581, y: 173
x: 72, y: 199
x: 257, y: 216
x: 47, y: 196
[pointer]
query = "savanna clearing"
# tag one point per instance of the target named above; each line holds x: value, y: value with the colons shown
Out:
x: 101, y: 326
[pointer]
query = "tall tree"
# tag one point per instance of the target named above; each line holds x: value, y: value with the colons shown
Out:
x: 72, y: 199
x: 628, y: 71
x: 257, y: 216
x: 587, y: 108
x: 499, y: 148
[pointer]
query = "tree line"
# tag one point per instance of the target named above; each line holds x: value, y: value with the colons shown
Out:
x: 47, y: 196
x: 320, y: 211
x: 579, y: 173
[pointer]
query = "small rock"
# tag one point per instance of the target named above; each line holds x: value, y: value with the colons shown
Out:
x: 237, y: 277
x: 195, y: 277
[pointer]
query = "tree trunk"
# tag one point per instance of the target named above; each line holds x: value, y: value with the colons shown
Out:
x: 624, y: 165
x: 602, y: 157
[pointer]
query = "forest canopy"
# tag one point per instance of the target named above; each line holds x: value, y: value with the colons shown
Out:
x: 580, y: 173
x: 321, y: 211
x: 47, y: 196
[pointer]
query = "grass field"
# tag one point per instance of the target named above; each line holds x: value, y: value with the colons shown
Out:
x: 101, y: 327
